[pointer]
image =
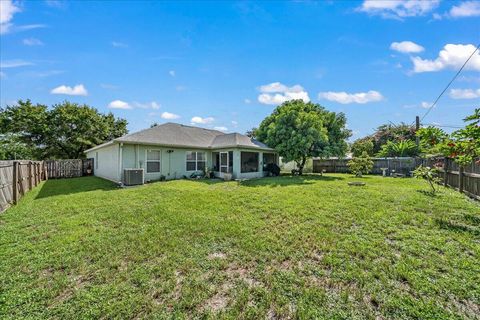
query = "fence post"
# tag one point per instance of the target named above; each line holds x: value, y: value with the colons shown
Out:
x: 461, y: 179
x: 15, y: 182
x: 445, y: 177
x: 45, y: 171
x: 30, y: 173
x: 36, y: 174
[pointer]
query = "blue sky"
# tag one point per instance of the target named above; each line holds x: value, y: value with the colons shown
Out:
x: 226, y: 65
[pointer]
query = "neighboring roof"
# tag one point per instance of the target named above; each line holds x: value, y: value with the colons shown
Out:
x: 179, y: 135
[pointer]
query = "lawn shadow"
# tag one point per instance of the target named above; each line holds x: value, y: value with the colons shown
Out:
x: 429, y: 193
x: 457, y: 226
x: 51, y: 188
x: 283, y: 181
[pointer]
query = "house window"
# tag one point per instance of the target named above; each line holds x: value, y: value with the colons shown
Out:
x: 153, y: 161
x: 196, y: 161
x: 249, y: 162
x: 96, y: 160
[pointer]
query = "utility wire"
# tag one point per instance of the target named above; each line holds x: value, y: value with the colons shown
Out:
x: 448, y: 85
x: 443, y: 126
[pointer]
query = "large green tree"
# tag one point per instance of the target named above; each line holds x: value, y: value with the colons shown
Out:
x: 299, y: 130
x: 12, y: 147
x: 362, y: 145
x: 65, y: 130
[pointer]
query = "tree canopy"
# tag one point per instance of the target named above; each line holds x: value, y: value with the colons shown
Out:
x: 389, y: 140
x: 362, y: 145
x: 299, y: 130
x: 65, y: 130
x: 464, y: 145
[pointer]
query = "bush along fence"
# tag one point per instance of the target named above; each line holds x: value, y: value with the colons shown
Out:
x: 391, y: 166
x: 19, y: 177
x: 465, y: 179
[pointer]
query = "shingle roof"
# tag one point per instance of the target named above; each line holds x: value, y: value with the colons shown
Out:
x: 179, y: 135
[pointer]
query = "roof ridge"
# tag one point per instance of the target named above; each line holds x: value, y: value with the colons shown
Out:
x: 194, y: 127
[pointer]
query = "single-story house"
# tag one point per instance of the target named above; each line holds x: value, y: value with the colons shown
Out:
x: 174, y: 150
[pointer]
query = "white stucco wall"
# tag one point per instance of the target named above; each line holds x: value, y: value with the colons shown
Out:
x: 106, y: 162
x: 113, y: 159
x: 172, y: 165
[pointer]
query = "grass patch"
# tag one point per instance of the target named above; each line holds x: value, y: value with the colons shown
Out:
x: 286, y: 247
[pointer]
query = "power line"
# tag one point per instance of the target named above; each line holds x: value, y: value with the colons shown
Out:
x: 442, y: 126
x: 448, y: 85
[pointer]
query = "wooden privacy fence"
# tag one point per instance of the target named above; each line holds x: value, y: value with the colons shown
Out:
x: 69, y: 168
x: 17, y: 178
x: 393, y: 165
x: 466, y: 179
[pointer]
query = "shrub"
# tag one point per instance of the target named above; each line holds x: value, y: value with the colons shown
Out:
x: 429, y: 174
x: 361, y: 165
x: 403, y: 148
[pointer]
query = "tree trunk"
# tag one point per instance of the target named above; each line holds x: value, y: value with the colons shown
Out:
x: 301, y: 165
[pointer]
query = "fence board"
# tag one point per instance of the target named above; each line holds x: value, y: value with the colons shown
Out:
x: 15, y: 184
x: 69, y: 168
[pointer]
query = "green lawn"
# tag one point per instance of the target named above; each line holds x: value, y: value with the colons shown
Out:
x: 287, y: 247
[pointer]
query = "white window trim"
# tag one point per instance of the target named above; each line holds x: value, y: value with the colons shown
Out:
x: 196, y: 160
x: 220, y: 162
x: 147, y: 161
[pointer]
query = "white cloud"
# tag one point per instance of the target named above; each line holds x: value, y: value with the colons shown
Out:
x: 453, y: 56
x: 14, y: 63
x: 26, y: 27
x: 465, y: 9
x: 44, y: 74
x: 117, y: 44
x: 149, y: 105
x: 172, y: 73
x: 465, y: 93
x: 426, y: 105
x: 235, y: 123
x: 346, y: 98
x: 247, y: 101
x: 277, y: 93
x: 406, y: 47
x: 200, y: 120
x: 119, y: 104
x: 169, y: 116
x: 7, y: 10
x: 78, y: 90
x: 273, y: 87
x: 32, y: 42
x: 398, y: 9
x: 221, y: 128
